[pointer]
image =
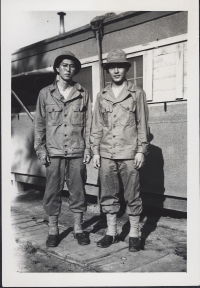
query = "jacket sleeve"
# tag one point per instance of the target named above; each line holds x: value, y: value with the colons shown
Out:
x: 97, y: 128
x: 88, y: 122
x: 142, y: 116
x: 40, y: 127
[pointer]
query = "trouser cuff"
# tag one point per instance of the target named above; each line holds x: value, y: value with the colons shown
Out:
x: 114, y: 209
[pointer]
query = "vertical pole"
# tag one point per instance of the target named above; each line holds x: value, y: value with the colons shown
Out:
x: 100, y: 59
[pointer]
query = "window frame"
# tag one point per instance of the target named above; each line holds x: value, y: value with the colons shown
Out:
x: 147, y: 51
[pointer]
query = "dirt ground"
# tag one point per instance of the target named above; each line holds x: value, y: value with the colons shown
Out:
x: 163, y: 238
x: 31, y: 259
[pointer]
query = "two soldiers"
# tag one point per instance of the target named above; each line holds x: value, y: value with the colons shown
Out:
x: 118, y: 137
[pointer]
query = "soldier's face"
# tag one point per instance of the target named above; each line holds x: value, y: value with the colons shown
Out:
x: 66, y: 69
x: 118, y: 72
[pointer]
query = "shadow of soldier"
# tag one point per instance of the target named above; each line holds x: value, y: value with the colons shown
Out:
x: 152, y: 184
x: 151, y: 181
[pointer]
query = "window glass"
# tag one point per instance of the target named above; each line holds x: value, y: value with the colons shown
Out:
x: 135, y: 73
x: 84, y: 77
x: 27, y: 89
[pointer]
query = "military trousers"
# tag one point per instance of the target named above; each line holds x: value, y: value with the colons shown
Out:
x: 110, y: 171
x: 74, y: 171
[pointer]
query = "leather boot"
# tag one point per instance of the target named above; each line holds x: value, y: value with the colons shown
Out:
x: 79, y: 234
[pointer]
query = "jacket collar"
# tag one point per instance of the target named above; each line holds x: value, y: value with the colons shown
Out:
x: 76, y: 91
x: 108, y: 94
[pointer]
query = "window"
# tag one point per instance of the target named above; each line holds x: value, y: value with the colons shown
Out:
x: 84, y: 77
x: 27, y: 89
x: 135, y: 73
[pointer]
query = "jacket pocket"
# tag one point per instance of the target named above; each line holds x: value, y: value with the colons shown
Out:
x: 128, y: 115
x: 54, y: 113
x: 77, y: 117
x: 105, y: 111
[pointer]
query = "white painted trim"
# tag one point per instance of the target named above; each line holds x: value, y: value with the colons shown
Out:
x: 156, y: 44
x: 95, y: 82
x: 95, y: 79
x: 86, y: 65
x: 131, y: 55
x: 179, y: 71
x: 148, y: 74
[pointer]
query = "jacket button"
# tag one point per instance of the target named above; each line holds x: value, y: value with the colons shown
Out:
x: 115, y: 115
x: 65, y: 104
x: 65, y: 115
x: 65, y: 125
x: 65, y: 135
x: 111, y: 156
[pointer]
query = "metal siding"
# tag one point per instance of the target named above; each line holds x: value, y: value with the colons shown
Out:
x: 166, y: 165
x: 24, y: 159
x: 165, y: 171
x: 153, y: 30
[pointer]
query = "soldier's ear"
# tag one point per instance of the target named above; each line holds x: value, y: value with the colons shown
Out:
x: 57, y: 69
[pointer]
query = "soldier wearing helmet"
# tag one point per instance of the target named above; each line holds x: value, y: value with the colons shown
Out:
x: 119, y: 139
x: 62, y: 128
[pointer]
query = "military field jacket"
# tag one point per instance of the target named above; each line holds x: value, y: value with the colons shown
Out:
x: 62, y: 127
x: 120, y: 125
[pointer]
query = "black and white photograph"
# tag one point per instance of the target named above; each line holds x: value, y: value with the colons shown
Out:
x: 100, y: 143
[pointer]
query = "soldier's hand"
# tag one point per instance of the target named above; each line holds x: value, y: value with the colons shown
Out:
x: 45, y: 160
x: 86, y: 159
x: 139, y: 160
x: 96, y: 161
